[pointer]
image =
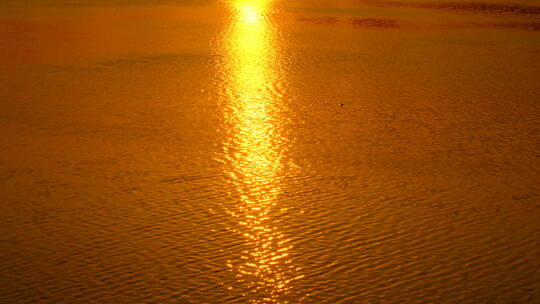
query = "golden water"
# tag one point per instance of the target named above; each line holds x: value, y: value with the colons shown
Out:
x: 269, y: 151
x: 254, y: 150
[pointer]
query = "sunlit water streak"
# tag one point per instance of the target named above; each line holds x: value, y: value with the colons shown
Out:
x: 254, y: 152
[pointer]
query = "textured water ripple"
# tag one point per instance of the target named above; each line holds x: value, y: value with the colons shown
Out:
x: 215, y: 153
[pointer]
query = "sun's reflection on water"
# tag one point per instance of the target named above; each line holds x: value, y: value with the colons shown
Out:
x: 254, y: 152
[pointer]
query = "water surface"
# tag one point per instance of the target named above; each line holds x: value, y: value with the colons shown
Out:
x: 268, y: 151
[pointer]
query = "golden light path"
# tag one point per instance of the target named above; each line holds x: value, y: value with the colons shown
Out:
x: 254, y: 152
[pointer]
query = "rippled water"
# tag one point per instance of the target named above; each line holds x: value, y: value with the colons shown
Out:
x: 269, y: 151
